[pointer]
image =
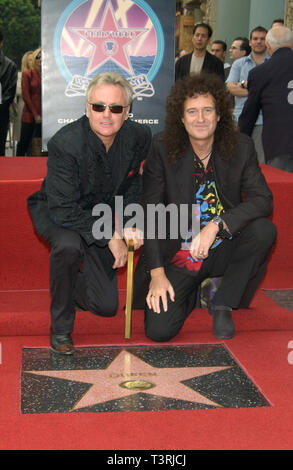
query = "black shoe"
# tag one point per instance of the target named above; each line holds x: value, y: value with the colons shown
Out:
x: 223, y: 326
x: 62, y: 344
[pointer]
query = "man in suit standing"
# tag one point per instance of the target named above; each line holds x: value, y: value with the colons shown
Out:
x: 202, y: 167
x: 271, y: 90
x: 200, y: 60
x: 219, y: 49
x: 8, y: 81
x: 90, y: 162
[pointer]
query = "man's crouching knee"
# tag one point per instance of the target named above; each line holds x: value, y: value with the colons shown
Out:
x: 105, y: 307
x: 160, y: 335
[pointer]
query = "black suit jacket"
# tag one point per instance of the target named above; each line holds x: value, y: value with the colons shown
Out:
x: 8, y: 80
x: 75, y: 179
x: 211, y: 64
x: 241, y: 186
x: 270, y: 88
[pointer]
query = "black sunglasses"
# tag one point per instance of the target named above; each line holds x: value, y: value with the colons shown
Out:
x: 114, y: 108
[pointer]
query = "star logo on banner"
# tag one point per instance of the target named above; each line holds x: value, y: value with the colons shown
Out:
x: 109, y: 41
x: 128, y: 375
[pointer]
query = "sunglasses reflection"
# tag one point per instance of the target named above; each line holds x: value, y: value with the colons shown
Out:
x: 114, y: 108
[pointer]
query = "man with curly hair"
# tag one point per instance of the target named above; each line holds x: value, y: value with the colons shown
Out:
x: 201, y: 161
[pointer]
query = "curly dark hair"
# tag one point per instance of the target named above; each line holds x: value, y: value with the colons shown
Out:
x: 175, y: 135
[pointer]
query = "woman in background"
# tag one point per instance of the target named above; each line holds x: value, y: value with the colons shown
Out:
x: 32, y: 111
x: 16, y: 107
x: 27, y: 61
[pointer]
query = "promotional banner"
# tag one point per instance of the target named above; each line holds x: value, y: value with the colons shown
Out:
x: 82, y: 38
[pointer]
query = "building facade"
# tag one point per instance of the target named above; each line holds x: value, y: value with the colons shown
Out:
x: 232, y: 18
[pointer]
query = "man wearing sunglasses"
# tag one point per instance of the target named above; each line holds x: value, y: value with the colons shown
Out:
x: 90, y: 162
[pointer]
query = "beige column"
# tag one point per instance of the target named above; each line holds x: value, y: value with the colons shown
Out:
x: 192, y: 7
x: 209, y: 8
x: 202, y: 10
x: 289, y: 14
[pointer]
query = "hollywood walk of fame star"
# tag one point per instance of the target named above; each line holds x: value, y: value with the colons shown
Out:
x: 109, y: 41
x: 127, y: 375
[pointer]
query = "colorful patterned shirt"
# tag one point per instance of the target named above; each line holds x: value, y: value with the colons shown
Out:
x: 209, y: 204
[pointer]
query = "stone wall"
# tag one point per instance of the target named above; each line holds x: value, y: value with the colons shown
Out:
x: 206, y: 11
x: 202, y: 11
x: 209, y: 7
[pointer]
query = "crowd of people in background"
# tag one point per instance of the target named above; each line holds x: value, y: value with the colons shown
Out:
x: 18, y: 103
x: 259, y: 77
x: 21, y: 91
x: 31, y: 116
x: 21, y: 103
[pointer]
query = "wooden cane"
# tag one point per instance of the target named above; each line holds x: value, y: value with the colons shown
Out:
x: 129, y: 290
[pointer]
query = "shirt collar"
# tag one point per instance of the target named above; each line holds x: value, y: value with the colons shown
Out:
x: 249, y: 58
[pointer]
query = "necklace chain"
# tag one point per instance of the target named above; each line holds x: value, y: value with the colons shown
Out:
x: 207, y: 156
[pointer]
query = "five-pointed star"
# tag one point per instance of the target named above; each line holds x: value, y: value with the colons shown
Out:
x: 109, y: 41
x: 108, y: 384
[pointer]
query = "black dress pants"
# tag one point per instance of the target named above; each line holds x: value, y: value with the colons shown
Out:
x: 241, y: 262
x: 4, y: 124
x: 77, y: 279
x: 283, y: 162
x: 29, y: 130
